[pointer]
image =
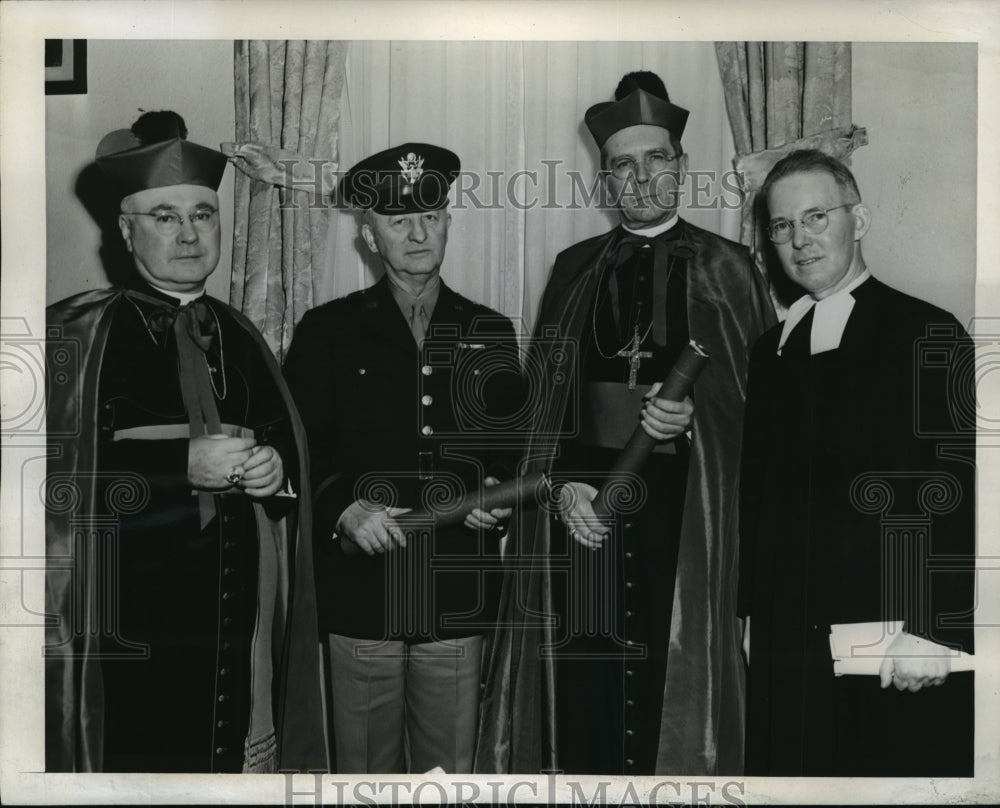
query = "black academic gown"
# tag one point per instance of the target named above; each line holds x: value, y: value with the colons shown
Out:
x: 852, y: 457
x: 399, y: 427
x: 182, y: 667
x: 698, y: 721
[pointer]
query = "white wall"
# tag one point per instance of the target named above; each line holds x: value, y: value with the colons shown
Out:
x: 918, y: 173
x: 194, y: 78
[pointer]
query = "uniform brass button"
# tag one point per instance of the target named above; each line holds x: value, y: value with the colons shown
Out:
x: 628, y: 525
x: 629, y: 673
x: 428, y: 429
x: 628, y: 612
x: 628, y: 555
x: 629, y: 732
x: 226, y: 595
x: 630, y: 762
x: 223, y: 698
x: 629, y: 642
x: 362, y: 371
x: 227, y: 571
x: 476, y: 372
x: 427, y: 401
x: 427, y: 370
x: 221, y: 724
x: 628, y: 584
x: 630, y: 703
x: 227, y: 621
x: 219, y: 750
x: 223, y: 671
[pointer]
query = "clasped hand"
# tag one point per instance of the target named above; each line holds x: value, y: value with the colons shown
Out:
x: 912, y: 663
x: 213, y: 458
x: 662, y: 420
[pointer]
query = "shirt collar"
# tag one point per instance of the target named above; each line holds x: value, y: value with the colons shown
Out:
x: 653, y: 232
x: 829, y: 319
x: 405, y: 299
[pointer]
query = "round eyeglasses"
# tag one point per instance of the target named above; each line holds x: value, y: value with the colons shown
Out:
x: 169, y: 222
x: 654, y: 163
x: 813, y: 222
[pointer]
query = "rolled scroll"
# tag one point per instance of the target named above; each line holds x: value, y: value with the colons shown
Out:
x: 678, y: 384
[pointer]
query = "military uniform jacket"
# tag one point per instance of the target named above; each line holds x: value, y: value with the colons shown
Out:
x: 395, y: 426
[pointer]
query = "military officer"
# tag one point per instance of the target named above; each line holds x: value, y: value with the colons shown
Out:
x: 401, y: 385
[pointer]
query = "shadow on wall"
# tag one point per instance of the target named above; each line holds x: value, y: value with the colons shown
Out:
x: 103, y: 206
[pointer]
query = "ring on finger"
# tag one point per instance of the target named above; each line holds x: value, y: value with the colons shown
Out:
x: 234, y: 476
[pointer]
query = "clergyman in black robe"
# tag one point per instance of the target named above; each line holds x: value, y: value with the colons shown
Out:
x: 857, y: 504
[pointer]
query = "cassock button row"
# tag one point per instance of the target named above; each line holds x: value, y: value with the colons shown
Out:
x: 426, y: 401
x: 428, y: 429
x: 427, y: 370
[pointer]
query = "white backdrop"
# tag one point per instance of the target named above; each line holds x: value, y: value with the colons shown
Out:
x: 506, y: 107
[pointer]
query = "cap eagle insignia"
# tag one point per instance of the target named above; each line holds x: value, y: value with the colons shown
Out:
x: 411, y: 167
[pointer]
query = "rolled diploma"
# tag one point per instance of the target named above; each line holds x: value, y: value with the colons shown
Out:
x: 859, y: 648
x: 677, y: 385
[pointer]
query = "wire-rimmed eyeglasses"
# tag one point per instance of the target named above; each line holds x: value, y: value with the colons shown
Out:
x: 169, y: 222
x: 813, y: 222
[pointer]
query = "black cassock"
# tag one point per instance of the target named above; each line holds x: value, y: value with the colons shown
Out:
x: 182, y: 666
x: 857, y: 506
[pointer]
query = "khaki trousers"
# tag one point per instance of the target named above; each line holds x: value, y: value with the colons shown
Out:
x: 396, y: 703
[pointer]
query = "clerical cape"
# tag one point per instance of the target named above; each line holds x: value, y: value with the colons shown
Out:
x: 277, y: 694
x: 701, y: 726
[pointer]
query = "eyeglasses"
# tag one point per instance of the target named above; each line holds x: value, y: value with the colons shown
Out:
x: 655, y: 163
x: 813, y: 222
x: 169, y: 222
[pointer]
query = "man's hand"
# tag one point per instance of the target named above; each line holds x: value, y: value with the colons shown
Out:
x: 211, y: 458
x: 577, y: 513
x: 479, y: 519
x: 665, y: 420
x: 912, y: 663
x: 264, y: 472
x: 371, y: 528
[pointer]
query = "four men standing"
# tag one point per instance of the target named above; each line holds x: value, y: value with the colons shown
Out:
x: 402, y: 389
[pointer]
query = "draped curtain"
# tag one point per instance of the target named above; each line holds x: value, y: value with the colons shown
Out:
x: 513, y: 112
x: 288, y: 94
x: 783, y: 96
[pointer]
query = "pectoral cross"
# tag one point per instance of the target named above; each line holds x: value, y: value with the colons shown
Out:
x: 634, y: 355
